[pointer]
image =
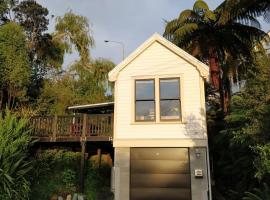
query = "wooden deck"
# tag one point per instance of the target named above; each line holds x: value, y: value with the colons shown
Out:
x: 72, y: 128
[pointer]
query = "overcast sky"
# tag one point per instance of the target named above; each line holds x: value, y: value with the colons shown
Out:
x: 128, y: 21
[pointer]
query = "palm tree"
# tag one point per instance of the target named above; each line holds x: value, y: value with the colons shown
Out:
x: 199, y: 32
x: 243, y: 10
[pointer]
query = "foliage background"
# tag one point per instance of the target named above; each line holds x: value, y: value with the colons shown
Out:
x: 57, y: 172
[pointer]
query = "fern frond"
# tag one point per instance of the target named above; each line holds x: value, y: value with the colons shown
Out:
x: 200, y: 6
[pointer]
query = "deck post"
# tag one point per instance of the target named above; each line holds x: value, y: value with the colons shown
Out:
x: 81, y: 181
x: 84, y: 130
x: 99, y: 157
x: 112, y: 123
x: 54, y: 127
x: 83, y: 145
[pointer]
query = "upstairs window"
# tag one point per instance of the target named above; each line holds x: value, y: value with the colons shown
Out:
x: 169, y: 99
x: 145, y: 100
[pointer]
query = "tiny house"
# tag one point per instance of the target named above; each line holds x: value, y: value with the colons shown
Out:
x: 160, y: 134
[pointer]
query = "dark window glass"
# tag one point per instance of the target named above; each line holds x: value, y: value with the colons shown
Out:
x: 169, y: 89
x: 145, y: 90
x: 170, y: 99
x: 169, y: 109
x: 145, y: 110
x: 145, y: 100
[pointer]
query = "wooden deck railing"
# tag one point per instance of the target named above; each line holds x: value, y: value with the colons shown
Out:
x: 73, y: 127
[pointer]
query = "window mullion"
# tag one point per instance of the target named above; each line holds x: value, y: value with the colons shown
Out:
x: 157, y: 98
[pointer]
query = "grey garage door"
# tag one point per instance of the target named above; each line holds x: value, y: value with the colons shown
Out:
x: 159, y: 174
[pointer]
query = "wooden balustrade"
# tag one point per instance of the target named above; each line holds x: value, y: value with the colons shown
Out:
x: 72, y: 126
x: 100, y: 124
x: 42, y: 125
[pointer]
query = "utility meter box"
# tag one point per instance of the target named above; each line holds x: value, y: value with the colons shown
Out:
x: 198, y: 173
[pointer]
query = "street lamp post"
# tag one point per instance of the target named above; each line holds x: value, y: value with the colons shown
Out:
x: 122, y: 45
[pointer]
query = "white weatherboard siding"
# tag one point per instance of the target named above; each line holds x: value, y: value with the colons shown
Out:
x: 158, y: 58
x: 158, y: 61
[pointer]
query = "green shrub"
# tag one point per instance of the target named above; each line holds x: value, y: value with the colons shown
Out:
x: 56, y: 172
x: 14, y: 164
x: 69, y: 180
x: 262, y: 160
x: 97, y: 182
x: 258, y: 194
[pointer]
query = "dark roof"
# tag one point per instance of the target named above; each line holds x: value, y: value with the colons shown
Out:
x: 97, y: 108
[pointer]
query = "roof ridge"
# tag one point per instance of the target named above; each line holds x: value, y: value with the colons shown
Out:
x: 202, y: 68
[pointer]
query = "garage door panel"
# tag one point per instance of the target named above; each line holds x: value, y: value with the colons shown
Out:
x: 159, y: 154
x: 159, y: 174
x: 160, y: 180
x: 160, y: 194
x: 160, y: 166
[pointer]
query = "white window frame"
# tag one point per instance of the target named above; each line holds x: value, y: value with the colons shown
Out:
x: 157, y: 99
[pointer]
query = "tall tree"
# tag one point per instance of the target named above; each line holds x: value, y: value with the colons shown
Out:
x: 6, y: 10
x: 93, y: 87
x: 254, y: 109
x: 33, y: 17
x: 44, y: 53
x: 77, y: 86
x: 242, y: 149
x: 57, y: 94
x: 74, y: 31
x: 199, y: 32
x: 14, y: 66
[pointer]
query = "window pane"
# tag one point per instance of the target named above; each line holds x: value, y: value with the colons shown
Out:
x: 169, y: 109
x: 169, y: 88
x: 145, y: 89
x: 145, y: 110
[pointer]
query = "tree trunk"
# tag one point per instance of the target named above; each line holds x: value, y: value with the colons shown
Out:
x: 227, y: 96
x: 1, y: 100
x: 214, y: 69
x: 216, y: 81
x: 9, y: 99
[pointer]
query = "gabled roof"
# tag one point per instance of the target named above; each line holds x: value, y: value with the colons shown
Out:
x: 201, y: 67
